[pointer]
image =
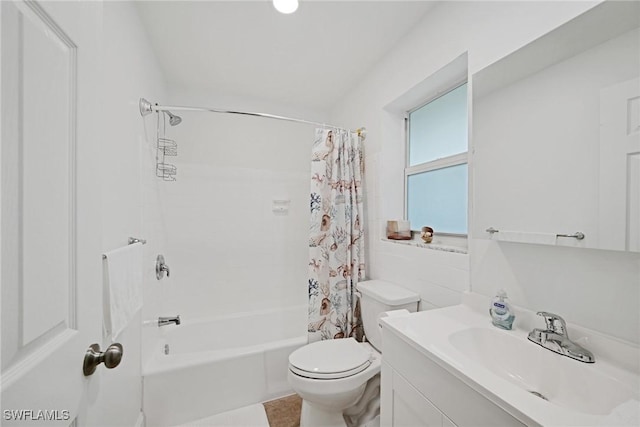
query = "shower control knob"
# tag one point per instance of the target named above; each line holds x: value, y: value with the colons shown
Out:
x: 161, y: 267
x: 111, y: 358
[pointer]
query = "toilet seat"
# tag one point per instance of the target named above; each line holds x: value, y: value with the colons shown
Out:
x: 330, y: 359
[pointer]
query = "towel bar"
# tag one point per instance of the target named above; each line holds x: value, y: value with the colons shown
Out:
x: 577, y: 235
x: 132, y: 240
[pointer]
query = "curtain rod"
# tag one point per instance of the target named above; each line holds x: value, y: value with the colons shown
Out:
x: 147, y: 108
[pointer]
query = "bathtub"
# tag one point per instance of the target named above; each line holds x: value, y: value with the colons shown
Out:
x: 221, y: 363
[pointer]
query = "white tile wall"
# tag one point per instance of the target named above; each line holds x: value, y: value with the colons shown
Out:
x: 596, y: 289
x: 439, y: 277
x: 228, y: 251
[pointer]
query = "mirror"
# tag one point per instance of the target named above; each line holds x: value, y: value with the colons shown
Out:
x: 556, y: 136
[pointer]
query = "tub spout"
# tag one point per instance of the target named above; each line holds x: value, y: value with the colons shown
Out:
x: 163, y: 321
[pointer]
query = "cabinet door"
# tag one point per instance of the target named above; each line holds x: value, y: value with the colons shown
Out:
x: 412, y: 409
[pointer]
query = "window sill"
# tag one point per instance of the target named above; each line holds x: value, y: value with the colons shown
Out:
x: 437, y: 246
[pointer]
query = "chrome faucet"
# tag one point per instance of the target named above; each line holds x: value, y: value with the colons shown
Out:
x: 556, y: 338
x: 163, y: 321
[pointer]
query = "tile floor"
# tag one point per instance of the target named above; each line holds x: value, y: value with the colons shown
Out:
x: 249, y: 416
x: 256, y: 416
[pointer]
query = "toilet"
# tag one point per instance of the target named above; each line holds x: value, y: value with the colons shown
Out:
x: 332, y: 375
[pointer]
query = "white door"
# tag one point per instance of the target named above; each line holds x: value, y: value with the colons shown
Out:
x: 619, y: 213
x: 50, y: 259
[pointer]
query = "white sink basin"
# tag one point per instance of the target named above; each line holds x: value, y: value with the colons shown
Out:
x: 536, y: 385
x: 556, y: 378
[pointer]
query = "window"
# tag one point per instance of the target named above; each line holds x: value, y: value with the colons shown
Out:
x: 436, y: 168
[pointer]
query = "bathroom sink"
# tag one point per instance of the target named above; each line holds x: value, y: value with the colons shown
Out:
x: 562, y: 381
x: 536, y: 386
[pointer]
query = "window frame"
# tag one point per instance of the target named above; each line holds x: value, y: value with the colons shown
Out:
x: 440, y: 163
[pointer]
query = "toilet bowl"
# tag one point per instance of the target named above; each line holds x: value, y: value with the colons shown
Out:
x: 332, y: 375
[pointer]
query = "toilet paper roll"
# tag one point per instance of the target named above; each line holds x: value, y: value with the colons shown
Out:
x: 393, y: 313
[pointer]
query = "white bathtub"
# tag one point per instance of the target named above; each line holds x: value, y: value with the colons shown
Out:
x: 222, y: 363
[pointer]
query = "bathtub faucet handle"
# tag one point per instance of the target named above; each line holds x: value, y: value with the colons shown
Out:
x: 163, y: 321
x: 161, y: 267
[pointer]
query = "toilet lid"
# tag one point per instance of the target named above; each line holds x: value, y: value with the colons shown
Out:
x: 330, y: 359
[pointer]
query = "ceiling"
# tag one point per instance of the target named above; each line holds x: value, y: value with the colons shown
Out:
x: 310, y: 58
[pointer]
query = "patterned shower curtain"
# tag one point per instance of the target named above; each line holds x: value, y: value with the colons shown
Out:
x: 336, y: 241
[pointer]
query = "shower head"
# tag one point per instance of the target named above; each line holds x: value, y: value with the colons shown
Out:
x: 173, y: 119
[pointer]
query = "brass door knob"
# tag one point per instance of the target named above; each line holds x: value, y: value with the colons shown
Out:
x: 93, y: 357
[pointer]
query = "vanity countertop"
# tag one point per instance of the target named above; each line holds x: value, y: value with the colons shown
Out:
x: 509, y: 370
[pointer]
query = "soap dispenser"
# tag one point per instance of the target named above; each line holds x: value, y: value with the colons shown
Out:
x: 501, y: 312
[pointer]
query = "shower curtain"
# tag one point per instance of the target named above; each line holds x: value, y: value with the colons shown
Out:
x: 336, y: 241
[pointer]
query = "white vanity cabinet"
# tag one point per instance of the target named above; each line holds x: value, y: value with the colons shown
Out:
x: 408, y: 407
x: 416, y: 391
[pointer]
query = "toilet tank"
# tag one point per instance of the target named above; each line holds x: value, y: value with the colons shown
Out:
x: 379, y: 296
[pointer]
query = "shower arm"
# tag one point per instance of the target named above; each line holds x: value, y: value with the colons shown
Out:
x: 147, y: 108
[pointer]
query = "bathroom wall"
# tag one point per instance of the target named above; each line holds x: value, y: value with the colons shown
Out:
x: 448, y: 31
x: 130, y: 196
x: 227, y: 250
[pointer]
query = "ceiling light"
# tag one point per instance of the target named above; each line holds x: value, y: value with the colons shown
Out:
x: 285, y: 6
